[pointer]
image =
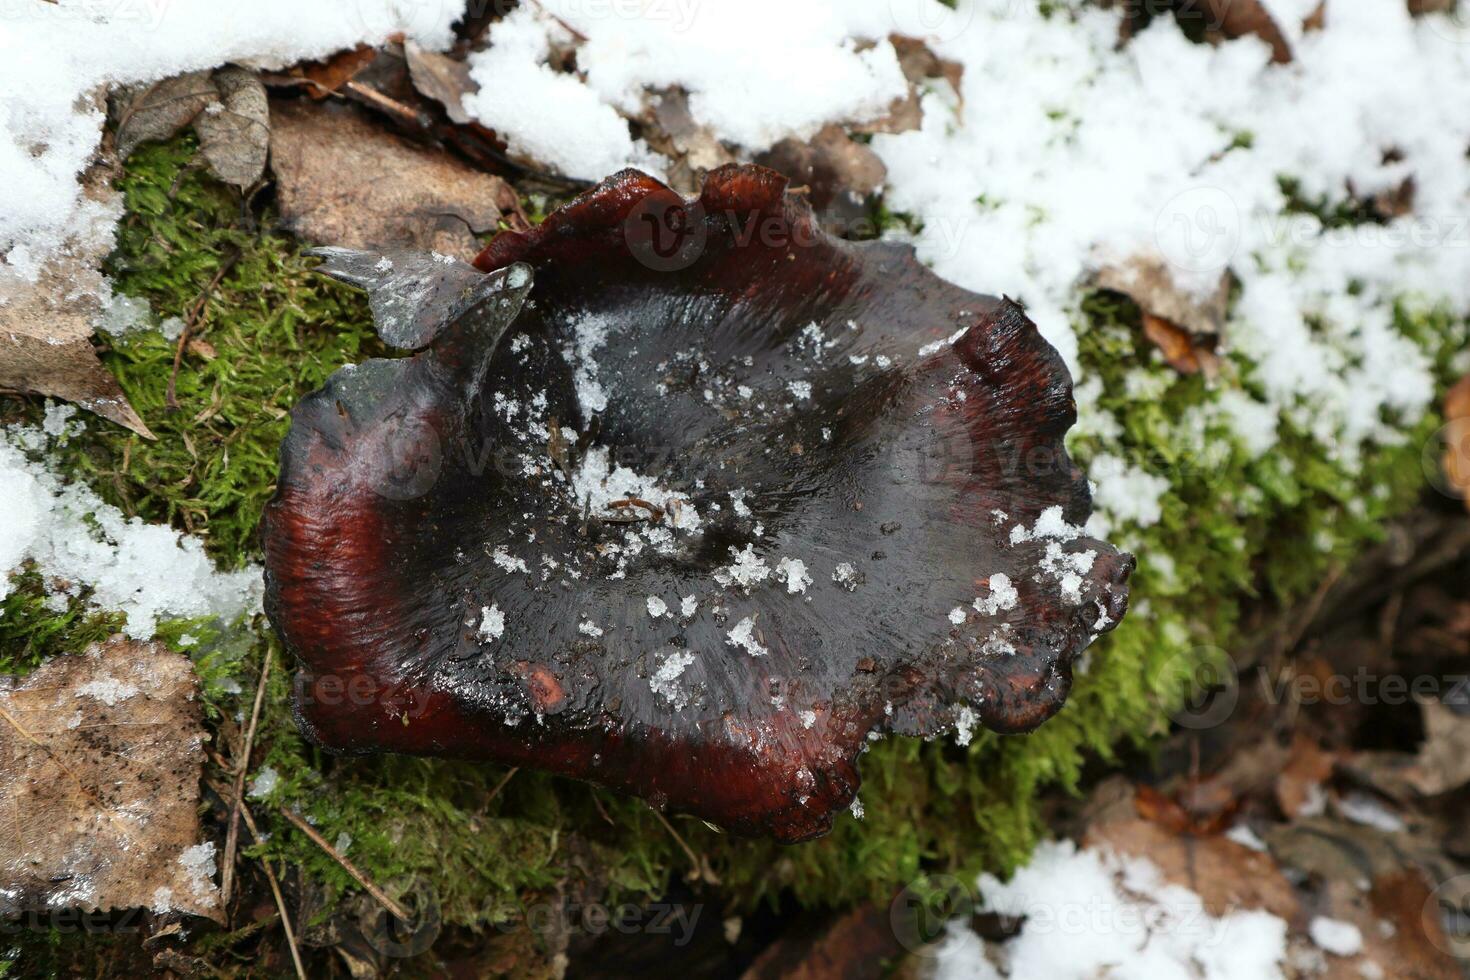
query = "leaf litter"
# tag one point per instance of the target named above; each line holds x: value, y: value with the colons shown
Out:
x: 100, y: 761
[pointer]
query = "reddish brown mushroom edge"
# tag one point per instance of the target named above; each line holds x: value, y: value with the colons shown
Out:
x: 688, y: 499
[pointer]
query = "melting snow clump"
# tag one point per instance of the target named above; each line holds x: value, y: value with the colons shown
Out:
x: 1088, y: 913
x: 743, y: 635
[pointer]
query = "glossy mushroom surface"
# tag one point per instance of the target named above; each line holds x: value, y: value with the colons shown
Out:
x: 685, y: 498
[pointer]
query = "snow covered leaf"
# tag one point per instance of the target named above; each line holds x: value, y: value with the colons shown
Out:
x: 46, y: 346
x: 159, y: 111
x: 344, y: 181
x: 690, y: 499
x: 100, y: 758
x: 235, y: 132
x: 1226, y: 875
x: 1457, y: 438
x: 1184, y: 325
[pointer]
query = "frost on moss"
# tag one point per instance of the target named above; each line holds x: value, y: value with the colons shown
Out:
x: 1233, y: 526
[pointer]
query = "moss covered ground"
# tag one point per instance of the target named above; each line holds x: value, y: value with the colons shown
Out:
x: 1234, y: 530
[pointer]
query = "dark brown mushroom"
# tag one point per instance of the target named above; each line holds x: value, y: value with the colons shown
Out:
x: 686, y: 498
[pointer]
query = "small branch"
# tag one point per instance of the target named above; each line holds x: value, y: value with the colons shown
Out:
x: 500, y: 785
x: 394, y: 909
x: 693, y: 858
x: 242, y: 766
x: 170, y: 398
x: 270, y: 876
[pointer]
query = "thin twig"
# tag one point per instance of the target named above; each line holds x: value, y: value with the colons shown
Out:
x: 601, y: 810
x: 394, y: 909
x: 270, y: 876
x: 693, y: 858
x: 500, y: 785
x: 196, y: 309
x: 242, y: 766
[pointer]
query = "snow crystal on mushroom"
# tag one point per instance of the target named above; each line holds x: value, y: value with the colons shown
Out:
x: 1003, y: 596
x: 747, y: 570
x: 665, y: 680
x: 743, y: 635
x: 793, y: 572
x: 492, y: 623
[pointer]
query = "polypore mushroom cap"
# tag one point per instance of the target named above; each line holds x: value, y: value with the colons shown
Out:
x: 685, y: 498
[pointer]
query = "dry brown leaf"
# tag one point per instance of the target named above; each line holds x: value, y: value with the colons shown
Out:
x: 1457, y: 438
x: 320, y: 79
x: 1237, y: 18
x: 444, y: 79
x: 1443, y: 762
x: 839, y: 172
x: 235, y: 132
x: 343, y: 181
x: 1299, y: 785
x: 1441, y: 765
x: 46, y: 330
x: 1185, y: 327
x: 1224, y: 874
x: 100, y: 758
x: 159, y: 111
x: 1421, y: 7
x: 46, y: 349
x: 670, y: 129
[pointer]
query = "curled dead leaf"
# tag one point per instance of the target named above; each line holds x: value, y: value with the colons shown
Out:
x: 320, y: 79
x: 1185, y: 326
x: 100, y: 759
x: 444, y: 79
x: 160, y: 111
x: 234, y: 132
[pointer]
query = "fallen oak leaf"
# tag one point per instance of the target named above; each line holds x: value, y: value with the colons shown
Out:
x: 343, y: 181
x: 100, y: 759
x: 234, y: 132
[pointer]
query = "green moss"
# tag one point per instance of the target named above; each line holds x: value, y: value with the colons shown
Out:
x: 35, y: 626
x: 1232, y: 527
x: 276, y: 330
